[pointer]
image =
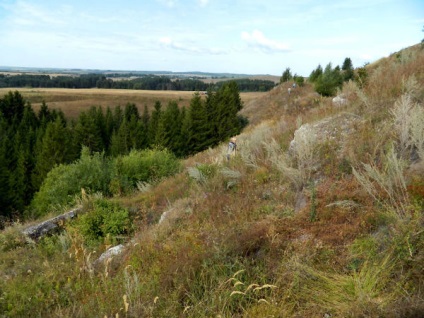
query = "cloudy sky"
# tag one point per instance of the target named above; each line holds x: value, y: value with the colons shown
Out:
x: 233, y: 36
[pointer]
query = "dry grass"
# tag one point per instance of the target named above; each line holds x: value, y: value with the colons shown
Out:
x: 74, y: 101
x: 233, y: 245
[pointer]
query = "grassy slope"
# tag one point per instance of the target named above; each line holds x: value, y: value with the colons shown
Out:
x: 253, y: 241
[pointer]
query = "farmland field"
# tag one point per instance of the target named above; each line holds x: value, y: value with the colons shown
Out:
x: 73, y: 101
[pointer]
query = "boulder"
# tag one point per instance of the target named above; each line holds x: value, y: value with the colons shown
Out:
x: 48, y: 227
x: 339, y: 100
x: 108, y: 254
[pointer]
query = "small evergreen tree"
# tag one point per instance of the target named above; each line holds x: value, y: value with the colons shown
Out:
x: 287, y: 76
x: 170, y: 127
x: 315, y: 74
x: 55, y: 148
x: 329, y: 81
x: 348, y: 71
x: 154, y: 122
x: 196, y: 125
x: 299, y: 80
x: 90, y: 130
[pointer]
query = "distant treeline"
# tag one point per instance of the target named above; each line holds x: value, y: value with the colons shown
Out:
x: 31, y: 143
x: 145, y: 82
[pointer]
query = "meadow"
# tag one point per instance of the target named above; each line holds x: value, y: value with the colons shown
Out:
x: 73, y: 101
x: 319, y: 214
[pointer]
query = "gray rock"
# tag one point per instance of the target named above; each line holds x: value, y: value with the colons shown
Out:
x: 48, y: 227
x: 113, y: 251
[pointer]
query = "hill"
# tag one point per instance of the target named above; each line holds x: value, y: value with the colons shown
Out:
x: 207, y: 77
x: 319, y: 214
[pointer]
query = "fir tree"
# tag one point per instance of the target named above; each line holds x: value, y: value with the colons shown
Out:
x: 196, y: 126
x: 154, y: 122
x: 53, y: 149
x: 348, y: 71
x: 90, y: 130
x: 170, y: 127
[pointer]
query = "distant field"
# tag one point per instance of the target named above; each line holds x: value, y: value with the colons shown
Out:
x: 73, y: 101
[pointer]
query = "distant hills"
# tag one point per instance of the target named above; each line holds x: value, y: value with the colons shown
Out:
x: 133, y: 73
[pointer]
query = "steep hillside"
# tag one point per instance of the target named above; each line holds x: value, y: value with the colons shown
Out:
x: 319, y: 214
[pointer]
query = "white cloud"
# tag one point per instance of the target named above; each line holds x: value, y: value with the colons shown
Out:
x: 167, y: 42
x: 29, y: 14
x: 257, y: 40
x: 168, y: 3
x: 203, y: 3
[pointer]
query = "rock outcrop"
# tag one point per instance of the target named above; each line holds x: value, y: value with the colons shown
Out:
x: 50, y: 226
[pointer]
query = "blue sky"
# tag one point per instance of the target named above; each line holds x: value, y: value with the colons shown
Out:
x: 240, y: 36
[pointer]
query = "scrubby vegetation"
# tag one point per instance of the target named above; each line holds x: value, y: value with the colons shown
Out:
x: 319, y: 214
x: 31, y: 145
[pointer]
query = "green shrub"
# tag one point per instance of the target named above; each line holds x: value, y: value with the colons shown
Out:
x: 141, y: 165
x: 106, y: 219
x: 63, y: 183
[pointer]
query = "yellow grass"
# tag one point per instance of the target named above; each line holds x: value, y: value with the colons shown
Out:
x: 73, y: 101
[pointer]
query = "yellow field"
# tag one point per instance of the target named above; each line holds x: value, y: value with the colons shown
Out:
x: 73, y: 101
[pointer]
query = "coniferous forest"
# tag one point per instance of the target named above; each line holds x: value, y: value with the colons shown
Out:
x: 31, y: 143
x: 143, y: 82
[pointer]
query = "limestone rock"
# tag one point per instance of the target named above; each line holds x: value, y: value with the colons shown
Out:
x: 48, y: 227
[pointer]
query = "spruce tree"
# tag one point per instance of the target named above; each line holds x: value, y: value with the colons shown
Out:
x: 170, y: 127
x: 329, y: 81
x: 5, y: 200
x: 286, y: 76
x: 315, y: 74
x: 53, y: 149
x: 196, y: 126
x: 154, y: 122
x: 130, y: 111
x: 228, y: 104
x: 18, y: 181
x: 348, y: 71
x: 145, y: 122
x: 90, y: 130
x: 120, y: 143
x: 12, y: 107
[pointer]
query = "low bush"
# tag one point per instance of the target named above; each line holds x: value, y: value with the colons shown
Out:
x: 105, y: 219
x: 142, y: 165
x: 63, y: 183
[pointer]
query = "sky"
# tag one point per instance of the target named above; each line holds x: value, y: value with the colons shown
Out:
x: 218, y: 36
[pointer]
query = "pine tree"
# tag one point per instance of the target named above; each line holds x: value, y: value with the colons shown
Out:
x: 286, y: 76
x: 12, y: 107
x: 181, y: 147
x: 348, y: 71
x: 212, y: 115
x: 18, y: 181
x: 109, y: 128
x: 154, y: 122
x: 130, y: 111
x: 53, y: 149
x: 196, y: 126
x: 90, y: 130
x: 315, y: 74
x: 5, y: 145
x: 228, y: 104
x: 170, y: 127
x: 145, y: 122
x: 136, y: 132
x: 329, y: 81
x: 44, y: 114
x: 120, y: 143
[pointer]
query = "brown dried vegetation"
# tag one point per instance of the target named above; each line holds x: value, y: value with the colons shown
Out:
x: 246, y: 240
